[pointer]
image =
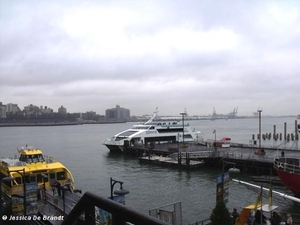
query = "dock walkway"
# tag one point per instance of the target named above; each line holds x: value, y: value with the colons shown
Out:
x: 54, y: 208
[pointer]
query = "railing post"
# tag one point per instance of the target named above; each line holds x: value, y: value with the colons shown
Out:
x: 118, y: 220
x: 90, y: 214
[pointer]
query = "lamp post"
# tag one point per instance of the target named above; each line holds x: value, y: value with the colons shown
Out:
x: 259, y: 124
x: 223, y: 180
x: 183, y: 114
x: 215, y: 144
x: 121, y: 191
x: 24, y: 186
x: 179, y: 154
x: 5, y: 180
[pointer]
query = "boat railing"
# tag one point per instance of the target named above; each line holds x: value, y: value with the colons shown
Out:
x: 291, y: 168
x: 243, y: 155
x: 191, y: 155
x: 12, y: 161
x: 50, y: 159
x: 174, y: 125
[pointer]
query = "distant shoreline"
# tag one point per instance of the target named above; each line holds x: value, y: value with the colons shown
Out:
x: 51, y: 124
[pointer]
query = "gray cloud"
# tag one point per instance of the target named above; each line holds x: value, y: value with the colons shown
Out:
x: 171, y: 54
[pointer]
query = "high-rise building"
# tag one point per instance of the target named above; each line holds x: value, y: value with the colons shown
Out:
x: 12, y: 108
x: 2, y: 110
x: 118, y: 113
x: 62, y: 110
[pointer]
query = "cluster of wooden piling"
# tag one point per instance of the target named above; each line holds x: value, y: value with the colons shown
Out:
x: 279, y: 136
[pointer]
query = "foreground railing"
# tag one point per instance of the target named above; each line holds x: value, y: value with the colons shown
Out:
x: 120, y: 213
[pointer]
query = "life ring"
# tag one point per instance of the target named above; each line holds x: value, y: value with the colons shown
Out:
x: 280, y: 166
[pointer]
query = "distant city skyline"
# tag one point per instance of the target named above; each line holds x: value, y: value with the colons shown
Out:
x: 112, y: 107
x: 174, y: 55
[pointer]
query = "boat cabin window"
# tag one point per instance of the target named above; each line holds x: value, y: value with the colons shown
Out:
x: 41, y: 179
x: 61, y: 176
x: 32, y: 179
x: 152, y: 128
x: 32, y: 158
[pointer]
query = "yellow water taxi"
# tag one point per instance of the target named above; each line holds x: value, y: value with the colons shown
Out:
x: 31, y: 166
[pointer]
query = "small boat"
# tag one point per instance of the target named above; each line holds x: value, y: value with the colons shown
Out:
x: 28, y: 171
x: 288, y: 170
x: 151, y: 132
x: 225, y: 141
x: 260, y: 151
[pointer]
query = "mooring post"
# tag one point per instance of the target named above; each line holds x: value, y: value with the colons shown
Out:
x: 284, y: 131
x: 296, y: 131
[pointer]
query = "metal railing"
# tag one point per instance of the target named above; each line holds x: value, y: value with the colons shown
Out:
x: 281, y: 164
x: 202, y: 222
x: 121, y: 214
x: 191, y: 155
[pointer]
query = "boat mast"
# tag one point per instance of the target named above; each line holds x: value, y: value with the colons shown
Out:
x: 153, y: 116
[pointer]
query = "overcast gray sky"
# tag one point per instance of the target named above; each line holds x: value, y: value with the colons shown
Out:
x: 193, y: 54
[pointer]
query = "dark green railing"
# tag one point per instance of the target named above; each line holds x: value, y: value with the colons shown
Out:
x: 120, y: 213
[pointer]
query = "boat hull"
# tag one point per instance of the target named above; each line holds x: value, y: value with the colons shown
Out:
x: 290, y: 181
x: 114, y: 148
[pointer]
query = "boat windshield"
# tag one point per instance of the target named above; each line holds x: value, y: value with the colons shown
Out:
x: 141, y: 127
x: 125, y: 134
x: 32, y: 158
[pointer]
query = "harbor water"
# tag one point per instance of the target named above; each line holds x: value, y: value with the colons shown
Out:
x: 79, y: 147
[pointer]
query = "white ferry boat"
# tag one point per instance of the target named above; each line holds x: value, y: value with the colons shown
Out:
x: 152, y: 132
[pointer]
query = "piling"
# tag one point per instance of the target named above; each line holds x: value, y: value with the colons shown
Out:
x: 296, y: 131
x: 274, y: 132
x: 285, y: 137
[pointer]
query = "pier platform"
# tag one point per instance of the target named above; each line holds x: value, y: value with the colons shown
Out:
x: 169, y: 161
x: 52, y: 208
x: 243, y: 157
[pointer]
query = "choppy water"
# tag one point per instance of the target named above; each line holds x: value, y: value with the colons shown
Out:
x: 80, y: 149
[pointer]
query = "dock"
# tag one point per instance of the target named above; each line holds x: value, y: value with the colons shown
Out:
x: 53, y: 209
x: 210, y: 156
x: 171, y: 161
